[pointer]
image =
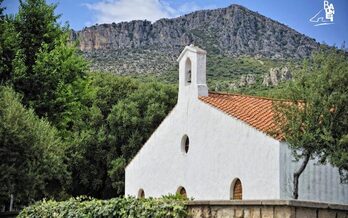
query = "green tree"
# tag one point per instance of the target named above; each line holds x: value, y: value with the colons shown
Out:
x: 37, y: 25
x: 111, y: 129
x: 45, y: 63
x: 132, y: 121
x: 2, y: 10
x: 315, y: 119
x: 111, y: 89
x: 8, y: 46
x: 90, y: 111
x: 32, y: 155
x: 54, y: 70
x: 85, y: 127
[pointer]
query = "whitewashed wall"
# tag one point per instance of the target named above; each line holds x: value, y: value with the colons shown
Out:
x: 221, y: 149
x: 317, y: 183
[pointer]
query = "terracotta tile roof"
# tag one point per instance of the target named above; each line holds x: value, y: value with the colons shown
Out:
x: 255, y: 111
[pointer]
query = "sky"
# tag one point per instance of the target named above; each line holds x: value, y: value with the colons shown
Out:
x: 295, y: 13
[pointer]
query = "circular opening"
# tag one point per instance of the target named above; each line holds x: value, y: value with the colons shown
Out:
x: 182, y: 191
x: 185, y: 144
x: 141, y: 193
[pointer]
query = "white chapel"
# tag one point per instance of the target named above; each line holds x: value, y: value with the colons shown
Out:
x: 215, y: 146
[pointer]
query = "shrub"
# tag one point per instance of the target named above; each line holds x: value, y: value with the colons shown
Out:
x: 167, y: 206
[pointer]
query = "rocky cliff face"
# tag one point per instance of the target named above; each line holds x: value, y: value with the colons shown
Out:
x: 232, y: 31
x: 242, y: 47
x: 276, y: 75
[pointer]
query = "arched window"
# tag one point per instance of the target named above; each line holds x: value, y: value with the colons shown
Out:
x: 181, y: 191
x: 188, y: 71
x: 236, y: 192
x: 185, y: 144
x: 141, y: 193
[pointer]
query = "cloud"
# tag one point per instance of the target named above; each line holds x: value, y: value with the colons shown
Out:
x: 188, y: 7
x: 126, y: 10
x: 108, y: 11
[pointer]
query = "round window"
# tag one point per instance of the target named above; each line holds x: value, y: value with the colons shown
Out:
x: 185, y: 144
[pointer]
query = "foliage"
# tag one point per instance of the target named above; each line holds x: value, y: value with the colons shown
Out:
x: 54, y: 71
x: 8, y: 47
x: 108, y: 128
x: 152, y: 63
x: 315, y: 123
x: 36, y: 58
x: 168, y: 206
x: 276, y: 92
x: 142, y: 111
x: 1, y: 10
x: 32, y: 161
x: 223, y: 72
x: 111, y: 89
x: 37, y: 25
x: 96, y: 143
x: 133, y: 119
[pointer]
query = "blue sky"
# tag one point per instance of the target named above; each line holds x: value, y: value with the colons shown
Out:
x: 294, y: 13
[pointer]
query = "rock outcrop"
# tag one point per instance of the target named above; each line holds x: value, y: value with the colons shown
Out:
x: 276, y: 75
x: 244, y: 80
x: 247, y: 80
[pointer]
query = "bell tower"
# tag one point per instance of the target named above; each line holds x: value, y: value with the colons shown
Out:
x: 192, y: 73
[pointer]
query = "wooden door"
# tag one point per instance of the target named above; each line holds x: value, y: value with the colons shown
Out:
x: 237, y: 190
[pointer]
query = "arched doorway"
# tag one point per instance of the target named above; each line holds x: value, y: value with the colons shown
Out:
x: 236, y: 192
x: 141, y: 193
x: 181, y: 191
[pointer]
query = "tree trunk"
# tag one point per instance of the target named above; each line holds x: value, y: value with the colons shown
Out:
x: 297, y: 175
x: 11, y: 202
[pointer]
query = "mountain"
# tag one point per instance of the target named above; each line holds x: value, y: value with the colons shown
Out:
x: 230, y: 35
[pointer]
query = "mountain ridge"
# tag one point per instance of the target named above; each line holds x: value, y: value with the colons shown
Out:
x: 230, y: 35
x: 234, y: 30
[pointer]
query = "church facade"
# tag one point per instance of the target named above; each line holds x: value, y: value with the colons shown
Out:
x: 215, y: 146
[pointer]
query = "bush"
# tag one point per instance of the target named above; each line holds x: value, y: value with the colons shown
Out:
x: 167, y: 206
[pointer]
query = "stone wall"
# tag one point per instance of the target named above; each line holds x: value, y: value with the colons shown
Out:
x: 266, y: 208
x: 256, y: 209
